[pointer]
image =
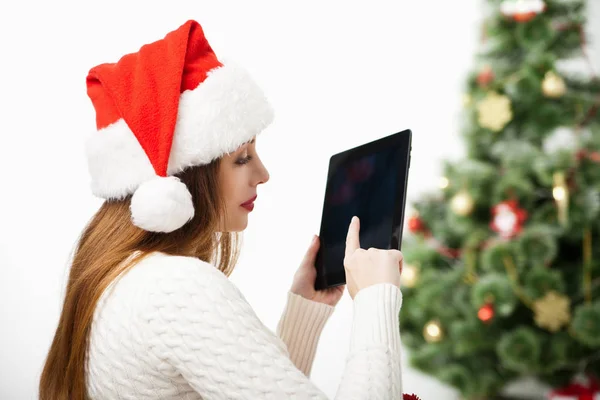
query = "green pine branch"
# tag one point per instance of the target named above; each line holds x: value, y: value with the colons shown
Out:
x: 463, y: 262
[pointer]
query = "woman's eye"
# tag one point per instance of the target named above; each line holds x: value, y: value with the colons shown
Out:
x: 244, y: 160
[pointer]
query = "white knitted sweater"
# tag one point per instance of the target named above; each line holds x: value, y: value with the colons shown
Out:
x: 175, y: 327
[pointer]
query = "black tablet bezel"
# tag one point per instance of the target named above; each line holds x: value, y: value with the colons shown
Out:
x: 403, y: 140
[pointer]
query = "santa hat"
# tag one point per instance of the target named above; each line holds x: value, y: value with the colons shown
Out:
x: 169, y: 106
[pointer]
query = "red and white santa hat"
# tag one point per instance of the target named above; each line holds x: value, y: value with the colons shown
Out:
x: 169, y: 106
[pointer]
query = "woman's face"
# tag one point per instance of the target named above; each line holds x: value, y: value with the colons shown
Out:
x: 240, y: 173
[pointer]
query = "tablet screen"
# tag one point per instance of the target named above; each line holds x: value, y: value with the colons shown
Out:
x: 365, y: 187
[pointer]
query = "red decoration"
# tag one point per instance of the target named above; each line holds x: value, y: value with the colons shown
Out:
x: 486, y: 313
x: 591, y: 155
x: 508, y: 219
x: 485, y: 77
x: 589, y: 390
x: 524, y: 17
x: 522, y: 10
x: 410, y: 397
x: 415, y: 224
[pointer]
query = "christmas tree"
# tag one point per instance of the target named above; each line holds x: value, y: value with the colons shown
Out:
x: 501, y: 268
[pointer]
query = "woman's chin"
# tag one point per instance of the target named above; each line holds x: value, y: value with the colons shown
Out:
x: 239, y: 224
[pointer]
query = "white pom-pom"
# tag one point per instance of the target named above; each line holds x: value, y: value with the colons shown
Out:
x: 161, y: 205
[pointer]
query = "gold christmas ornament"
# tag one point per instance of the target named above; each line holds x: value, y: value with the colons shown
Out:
x: 462, y: 203
x: 433, y: 332
x: 444, y: 182
x: 552, y: 311
x: 494, y: 112
x: 409, y: 276
x: 560, y: 192
x: 553, y: 85
x: 467, y: 100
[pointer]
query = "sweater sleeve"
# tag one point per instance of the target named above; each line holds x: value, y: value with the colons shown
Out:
x: 300, y: 328
x: 200, y: 324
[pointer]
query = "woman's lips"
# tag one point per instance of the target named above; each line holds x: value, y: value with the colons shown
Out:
x: 249, y: 205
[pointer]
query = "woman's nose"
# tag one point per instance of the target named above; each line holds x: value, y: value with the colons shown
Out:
x: 263, y: 173
x: 265, y: 176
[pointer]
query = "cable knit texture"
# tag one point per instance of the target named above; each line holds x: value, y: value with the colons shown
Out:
x: 176, y: 327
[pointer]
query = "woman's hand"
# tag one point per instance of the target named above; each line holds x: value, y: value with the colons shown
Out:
x: 304, y: 279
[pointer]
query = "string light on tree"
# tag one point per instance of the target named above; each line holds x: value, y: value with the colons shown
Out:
x: 553, y: 85
x: 433, y: 332
x: 522, y: 10
x: 495, y: 112
x: 560, y: 192
x: 462, y: 203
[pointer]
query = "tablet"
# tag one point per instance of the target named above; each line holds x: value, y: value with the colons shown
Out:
x: 368, y: 181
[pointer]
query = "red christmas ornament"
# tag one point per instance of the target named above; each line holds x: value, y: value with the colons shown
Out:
x: 410, y: 397
x: 486, y: 313
x: 590, y: 155
x: 587, y: 390
x: 415, y: 224
x: 508, y: 219
x: 485, y: 77
x: 524, y: 17
x: 522, y: 10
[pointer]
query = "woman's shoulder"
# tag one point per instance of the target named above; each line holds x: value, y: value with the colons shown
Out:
x: 161, y: 271
x: 160, y: 282
x: 183, y: 288
x: 165, y: 276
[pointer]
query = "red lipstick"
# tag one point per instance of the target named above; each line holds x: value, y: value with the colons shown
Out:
x: 249, y: 205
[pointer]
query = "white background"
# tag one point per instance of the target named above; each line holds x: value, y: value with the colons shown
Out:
x: 339, y: 73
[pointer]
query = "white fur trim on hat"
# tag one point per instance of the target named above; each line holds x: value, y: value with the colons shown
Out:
x: 116, y: 161
x: 222, y: 113
x: 161, y: 205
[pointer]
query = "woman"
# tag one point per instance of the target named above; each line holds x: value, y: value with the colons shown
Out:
x: 149, y: 311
